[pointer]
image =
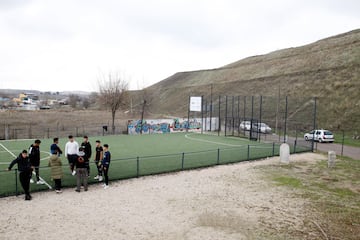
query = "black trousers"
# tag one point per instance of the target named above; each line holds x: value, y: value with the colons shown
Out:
x: 25, y: 181
x: 72, y: 158
x: 57, y: 184
x: 37, y: 172
x: 106, y: 177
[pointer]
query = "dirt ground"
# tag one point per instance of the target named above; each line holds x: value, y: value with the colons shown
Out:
x: 223, y: 202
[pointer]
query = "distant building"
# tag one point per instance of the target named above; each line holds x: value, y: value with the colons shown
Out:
x: 26, y: 98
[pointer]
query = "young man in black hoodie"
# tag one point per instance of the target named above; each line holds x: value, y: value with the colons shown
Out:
x: 25, y: 171
x: 34, y: 155
x: 87, y: 150
x: 81, y: 171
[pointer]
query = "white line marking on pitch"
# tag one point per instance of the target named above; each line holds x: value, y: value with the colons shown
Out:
x: 12, y: 154
x: 202, y: 140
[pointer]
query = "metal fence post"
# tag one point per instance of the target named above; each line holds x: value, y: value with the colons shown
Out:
x: 342, y: 143
x: 137, y: 166
x: 218, y: 156
x: 16, y: 183
x: 226, y: 114
x: 182, y: 161
x: 273, y: 150
x: 314, y: 124
x: 248, y: 153
x: 260, y: 117
x: 285, y: 121
x: 219, y: 116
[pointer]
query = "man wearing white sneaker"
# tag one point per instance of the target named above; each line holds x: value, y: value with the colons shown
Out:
x: 34, y: 156
x: 105, y: 163
x: 87, y: 149
x: 98, y: 158
x: 71, y: 151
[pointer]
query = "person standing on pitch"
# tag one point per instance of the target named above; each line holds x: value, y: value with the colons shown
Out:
x: 98, y: 158
x: 105, y: 164
x: 87, y: 149
x: 71, y: 151
x: 25, y: 171
x: 56, y: 170
x: 34, y: 155
x: 55, y: 147
x: 81, y: 171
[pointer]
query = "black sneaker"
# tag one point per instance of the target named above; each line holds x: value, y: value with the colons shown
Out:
x: 27, y: 197
x: 77, y: 190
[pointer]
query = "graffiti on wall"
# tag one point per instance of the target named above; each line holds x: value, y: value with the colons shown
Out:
x: 150, y: 126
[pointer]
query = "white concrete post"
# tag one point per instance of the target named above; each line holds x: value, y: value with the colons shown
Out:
x: 284, y: 153
x: 331, y: 159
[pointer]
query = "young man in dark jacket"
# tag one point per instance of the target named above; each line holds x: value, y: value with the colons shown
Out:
x: 87, y: 150
x: 105, y: 164
x: 34, y: 155
x: 55, y: 147
x: 25, y: 171
x: 98, y: 158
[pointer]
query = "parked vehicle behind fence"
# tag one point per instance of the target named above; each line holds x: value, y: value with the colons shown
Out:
x: 320, y: 135
x: 257, y: 127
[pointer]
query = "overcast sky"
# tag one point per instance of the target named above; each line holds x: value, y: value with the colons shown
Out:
x: 69, y: 44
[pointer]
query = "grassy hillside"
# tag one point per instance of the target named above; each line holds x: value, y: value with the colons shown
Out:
x: 328, y: 69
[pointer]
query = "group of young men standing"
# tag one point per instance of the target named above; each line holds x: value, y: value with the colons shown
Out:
x: 78, y: 158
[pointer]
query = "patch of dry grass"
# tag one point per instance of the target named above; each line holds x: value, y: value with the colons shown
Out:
x: 334, y: 194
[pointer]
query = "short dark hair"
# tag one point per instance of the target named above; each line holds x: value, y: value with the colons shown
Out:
x: 106, y: 145
x: 24, y: 151
x: 56, y: 139
x: 37, y: 141
x: 70, y: 136
x: 86, y: 137
x: 98, y: 141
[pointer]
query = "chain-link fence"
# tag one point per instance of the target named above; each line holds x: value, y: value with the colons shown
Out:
x: 260, y: 117
x: 147, y: 165
x: 32, y: 131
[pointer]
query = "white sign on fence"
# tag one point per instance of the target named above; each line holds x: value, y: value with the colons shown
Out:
x: 195, y: 104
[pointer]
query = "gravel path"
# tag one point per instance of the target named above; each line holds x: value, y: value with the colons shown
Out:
x: 222, y: 202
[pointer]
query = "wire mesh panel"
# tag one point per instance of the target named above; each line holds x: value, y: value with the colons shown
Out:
x: 230, y: 155
x: 159, y: 164
x: 258, y: 117
x: 9, y: 183
x: 200, y: 159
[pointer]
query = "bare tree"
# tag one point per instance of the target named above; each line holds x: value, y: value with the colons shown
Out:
x: 113, y: 94
x: 93, y: 98
x: 73, y: 99
x: 86, y: 103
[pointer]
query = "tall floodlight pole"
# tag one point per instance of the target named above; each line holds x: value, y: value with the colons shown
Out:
x: 285, y: 121
x: 211, y: 103
x: 202, y: 114
x: 142, y: 116
x: 314, y: 124
x: 188, y: 123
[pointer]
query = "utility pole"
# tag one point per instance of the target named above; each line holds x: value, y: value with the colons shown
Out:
x: 142, y: 116
x: 211, y: 103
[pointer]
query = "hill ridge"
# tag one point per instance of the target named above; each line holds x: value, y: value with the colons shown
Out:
x: 328, y: 69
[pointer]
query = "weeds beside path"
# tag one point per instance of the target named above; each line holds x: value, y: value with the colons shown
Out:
x: 333, y: 193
